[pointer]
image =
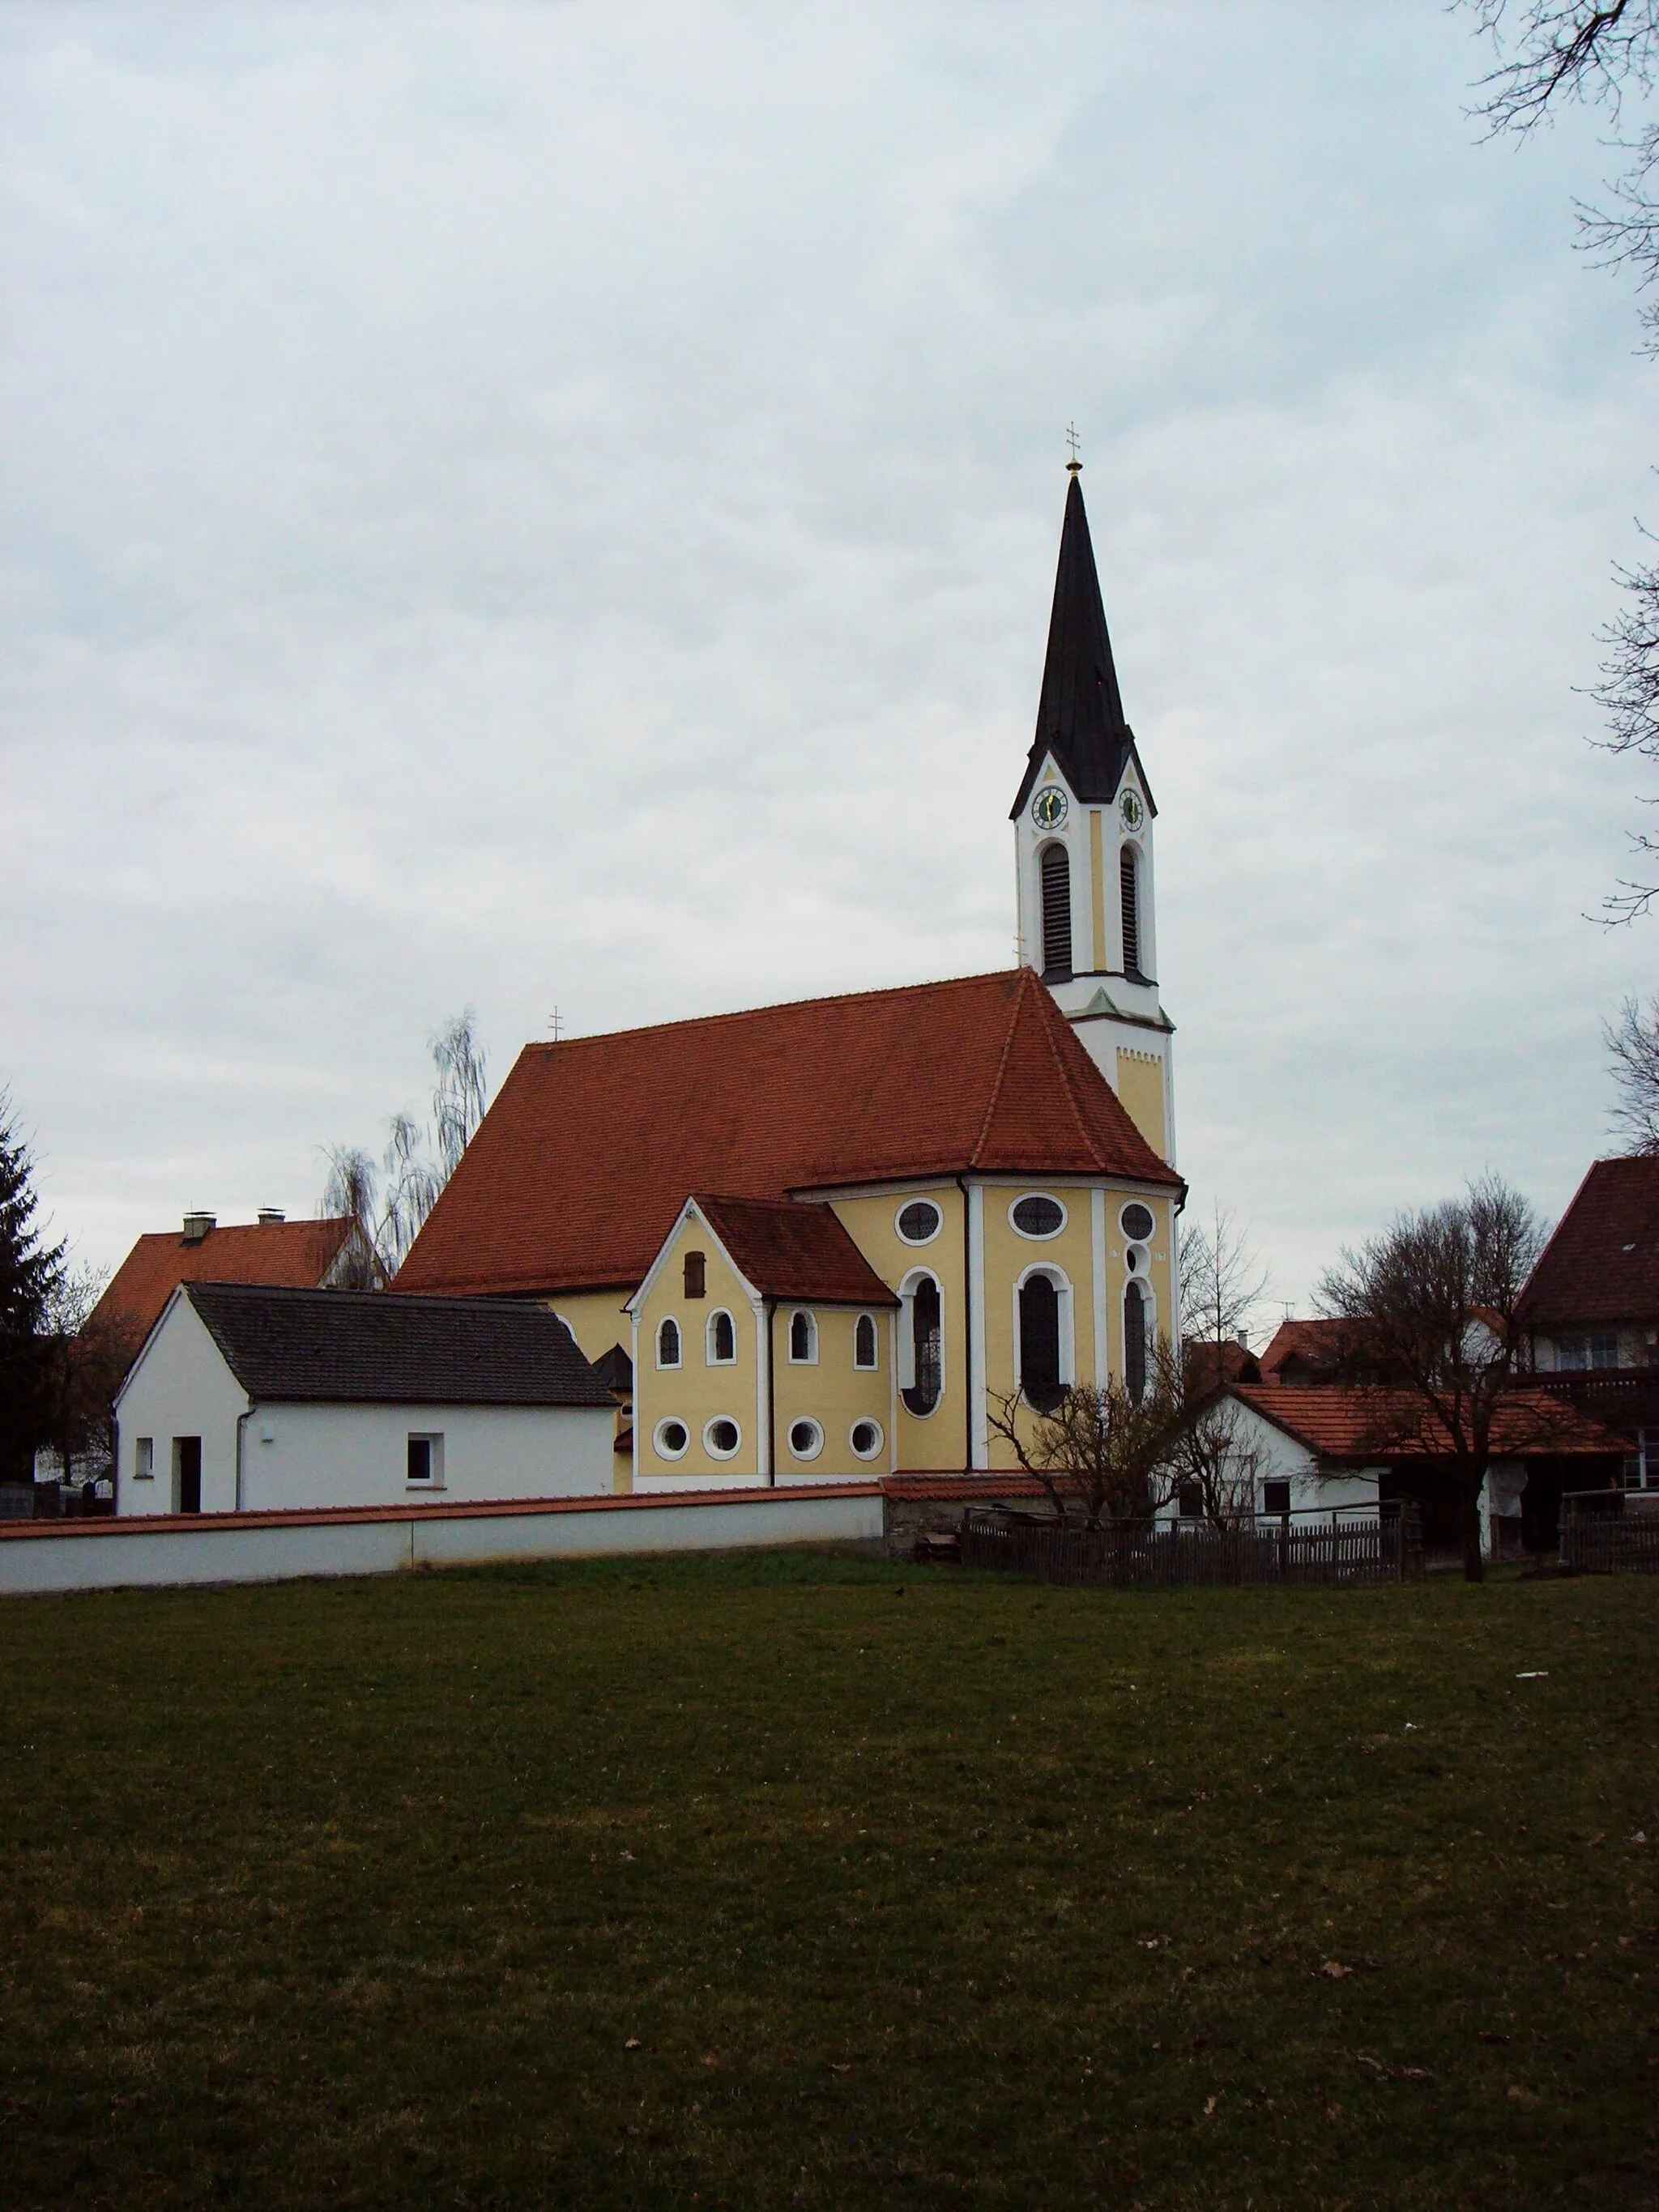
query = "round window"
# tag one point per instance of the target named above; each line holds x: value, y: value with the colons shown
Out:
x: 1136, y: 1222
x: 1036, y: 1216
x: 806, y: 1439
x: 919, y: 1222
x: 721, y: 1437
x: 867, y: 1438
x: 671, y: 1438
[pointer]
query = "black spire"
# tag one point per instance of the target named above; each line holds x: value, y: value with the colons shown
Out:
x: 1080, y: 714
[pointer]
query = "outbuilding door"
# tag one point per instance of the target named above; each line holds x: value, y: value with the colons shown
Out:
x: 187, y: 1454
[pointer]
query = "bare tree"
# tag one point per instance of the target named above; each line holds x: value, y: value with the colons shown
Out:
x: 1213, y: 1463
x: 1222, y: 1279
x: 1633, y: 1043
x: 462, y: 1092
x: 1097, y: 1453
x: 1432, y: 1301
x: 85, y: 1356
x: 1605, y: 54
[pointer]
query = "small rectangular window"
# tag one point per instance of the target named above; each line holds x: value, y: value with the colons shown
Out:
x: 694, y: 1275
x: 426, y: 1463
x: 143, y: 1459
x: 1192, y: 1501
x: 1275, y: 1496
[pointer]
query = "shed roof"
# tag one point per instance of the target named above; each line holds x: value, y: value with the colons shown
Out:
x: 363, y: 1347
x: 1603, y: 1263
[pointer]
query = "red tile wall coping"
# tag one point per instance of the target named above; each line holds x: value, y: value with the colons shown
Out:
x: 484, y: 1509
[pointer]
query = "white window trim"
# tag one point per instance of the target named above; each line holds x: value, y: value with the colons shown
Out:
x: 714, y: 1450
x: 807, y: 1421
x: 1062, y: 1283
x: 669, y: 1366
x: 710, y: 1357
x: 661, y: 1448
x: 143, y: 1469
x: 937, y: 1230
x: 433, y: 1437
x: 804, y: 1313
x: 874, y: 1365
x: 1148, y: 1309
x: 875, y: 1451
x: 907, y: 1339
x: 1039, y: 1235
x: 1124, y: 1233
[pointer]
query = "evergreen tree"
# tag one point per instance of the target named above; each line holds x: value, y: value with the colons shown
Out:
x: 29, y: 1272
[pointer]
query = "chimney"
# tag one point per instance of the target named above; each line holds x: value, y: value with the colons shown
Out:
x: 271, y: 1215
x: 197, y: 1226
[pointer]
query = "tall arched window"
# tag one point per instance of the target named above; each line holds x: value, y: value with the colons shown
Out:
x: 1056, y: 915
x: 803, y: 1339
x: 1128, y: 878
x: 1039, y: 1342
x: 668, y: 1344
x: 722, y: 1339
x: 924, y: 1344
x: 1134, y: 1341
x: 864, y: 1340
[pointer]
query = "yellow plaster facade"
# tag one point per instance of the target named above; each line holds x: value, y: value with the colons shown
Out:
x: 1140, y: 1087
x: 937, y: 1440
x: 700, y: 1391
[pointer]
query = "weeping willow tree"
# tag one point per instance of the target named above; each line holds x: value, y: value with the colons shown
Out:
x: 388, y: 1200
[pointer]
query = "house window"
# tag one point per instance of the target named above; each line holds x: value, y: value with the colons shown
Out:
x: 695, y: 1265
x: 803, y: 1340
x: 866, y: 1439
x: 721, y: 1437
x: 722, y: 1339
x: 1057, y: 865
x: 919, y: 1222
x: 426, y: 1463
x: 1189, y: 1501
x: 1641, y: 1465
x: 923, y: 1342
x: 864, y: 1340
x: 1036, y: 1216
x: 1134, y: 1341
x: 671, y: 1438
x: 143, y: 1459
x: 668, y: 1343
x: 1598, y: 1348
x: 1039, y: 1343
x: 806, y: 1439
x: 1275, y: 1496
x: 1128, y: 881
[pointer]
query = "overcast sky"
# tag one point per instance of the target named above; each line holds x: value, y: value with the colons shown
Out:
x: 556, y: 505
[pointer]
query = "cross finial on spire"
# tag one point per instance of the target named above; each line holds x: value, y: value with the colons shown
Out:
x: 1075, y: 443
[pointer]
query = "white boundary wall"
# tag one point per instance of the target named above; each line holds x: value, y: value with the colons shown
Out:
x: 153, y: 1551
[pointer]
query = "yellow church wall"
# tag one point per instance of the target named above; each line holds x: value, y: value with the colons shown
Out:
x: 695, y: 1392
x: 597, y: 1319
x: 1141, y: 1087
x: 835, y: 1393
x: 1159, y: 1276
x: 937, y: 1440
x: 1008, y: 1255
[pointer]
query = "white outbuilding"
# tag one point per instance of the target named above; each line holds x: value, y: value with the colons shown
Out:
x: 246, y: 1399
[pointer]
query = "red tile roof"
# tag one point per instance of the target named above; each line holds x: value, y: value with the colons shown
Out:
x: 296, y: 1254
x: 1316, y: 1343
x: 592, y: 1145
x: 1603, y: 1263
x: 1372, y: 1424
x: 792, y: 1250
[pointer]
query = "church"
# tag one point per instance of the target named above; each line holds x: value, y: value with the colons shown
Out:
x: 829, y: 1237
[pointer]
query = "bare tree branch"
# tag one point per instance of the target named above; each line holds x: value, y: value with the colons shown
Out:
x: 1632, y: 1041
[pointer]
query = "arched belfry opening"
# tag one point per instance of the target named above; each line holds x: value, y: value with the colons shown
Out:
x: 1128, y: 881
x: 1057, y: 865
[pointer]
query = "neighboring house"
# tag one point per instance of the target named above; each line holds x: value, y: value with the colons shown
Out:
x: 305, y: 1256
x: 1327, y: 1447
x: 1304, y: 1351
x: 1591, y: 1309
x: 247, y: 1399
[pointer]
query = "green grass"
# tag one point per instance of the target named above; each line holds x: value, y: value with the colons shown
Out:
x: 811, y: 1881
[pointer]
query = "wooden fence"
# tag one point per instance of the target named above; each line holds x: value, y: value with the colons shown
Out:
x: 1377, y: 1547
x: 1610, y: 1532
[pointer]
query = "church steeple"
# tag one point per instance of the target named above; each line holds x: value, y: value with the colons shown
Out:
x: 1080, y: 723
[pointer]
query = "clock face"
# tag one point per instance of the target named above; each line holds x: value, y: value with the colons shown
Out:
x: 1131, y: 811
x: 1049, y: 808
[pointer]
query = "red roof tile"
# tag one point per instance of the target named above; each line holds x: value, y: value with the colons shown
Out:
x: 1373, y: 1424
x: 292, y: 1254
x: 592, y: 1145
x: 1603, y: 1263
x: 792, y: 1250
x: 1316, y: 1343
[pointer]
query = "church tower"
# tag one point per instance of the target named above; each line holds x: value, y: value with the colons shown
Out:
x: 1083, y: 846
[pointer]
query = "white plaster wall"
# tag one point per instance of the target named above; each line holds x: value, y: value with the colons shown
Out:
x: 1282, y: 1459
x: 180, y: 1387
x: 300, y: 1457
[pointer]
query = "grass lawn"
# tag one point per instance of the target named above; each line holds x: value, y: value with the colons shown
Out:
x: 798, y: 1880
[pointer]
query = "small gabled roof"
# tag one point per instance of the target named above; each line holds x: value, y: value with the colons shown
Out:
x: 1603, y: 1263
x: 1368, y: 1423
x: 364, y: 1347
x: 1317, y: 1344
x: 592, y: 1145
x: 298, y: 1254
x: 1080, y: 711
x: 794, y: 1249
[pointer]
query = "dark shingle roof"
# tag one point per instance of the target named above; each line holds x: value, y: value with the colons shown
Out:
x: 1080, y: 712
x: 363, y: 1347
x: 1603, y: 1263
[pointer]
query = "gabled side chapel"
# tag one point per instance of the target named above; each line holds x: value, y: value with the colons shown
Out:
x: 828, y: 1234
